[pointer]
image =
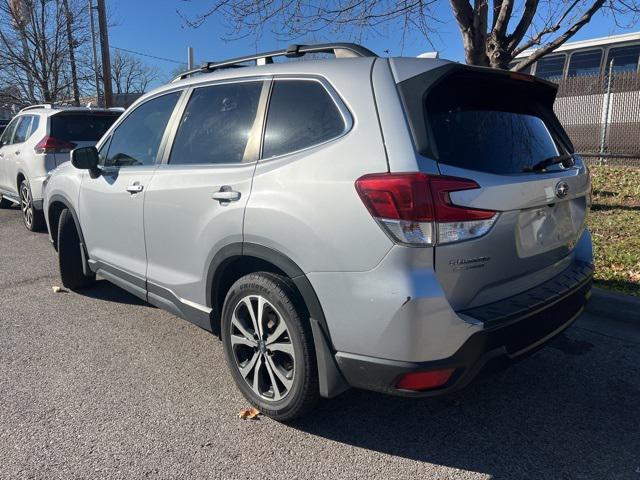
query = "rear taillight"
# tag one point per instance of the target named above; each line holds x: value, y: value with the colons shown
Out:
x: 52, y: 145
x: 416, y: 208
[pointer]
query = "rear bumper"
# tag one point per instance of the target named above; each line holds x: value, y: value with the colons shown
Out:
x: 35, y: 183
x: 513, y: 328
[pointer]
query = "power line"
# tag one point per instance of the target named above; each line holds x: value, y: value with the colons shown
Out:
x: 148, y: 55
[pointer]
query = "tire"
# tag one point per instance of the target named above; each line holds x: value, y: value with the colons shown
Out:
x: 291, y: 366
x: 69, y: 254
x: 33, y: 218
x: 4, y: 203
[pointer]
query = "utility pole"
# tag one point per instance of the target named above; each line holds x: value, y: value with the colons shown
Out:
x: 189, y: 58
x: 104, y: 47
x: 95, y: 53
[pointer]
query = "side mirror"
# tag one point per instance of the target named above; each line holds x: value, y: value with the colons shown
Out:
x: 85, y: 158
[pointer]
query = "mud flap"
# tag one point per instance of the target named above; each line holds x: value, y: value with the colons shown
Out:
x: 331, y: 381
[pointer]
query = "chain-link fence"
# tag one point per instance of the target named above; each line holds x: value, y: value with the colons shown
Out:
x: 601, y: 114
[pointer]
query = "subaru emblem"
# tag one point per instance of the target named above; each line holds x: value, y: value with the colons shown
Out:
x: 562, y: 189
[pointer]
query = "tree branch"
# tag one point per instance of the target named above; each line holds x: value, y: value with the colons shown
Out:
x: 570, y: 32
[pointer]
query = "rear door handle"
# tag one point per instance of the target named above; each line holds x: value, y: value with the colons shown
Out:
x: 135, y: 188
x: 226, y: 194
x: 17, y: 152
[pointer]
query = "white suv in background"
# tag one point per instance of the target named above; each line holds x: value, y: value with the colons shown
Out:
x: 36, y: 141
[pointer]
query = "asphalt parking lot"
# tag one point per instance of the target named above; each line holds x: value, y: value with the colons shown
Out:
x: 101, y: 385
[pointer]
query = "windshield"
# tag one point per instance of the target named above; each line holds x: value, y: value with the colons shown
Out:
x: 79, y: 127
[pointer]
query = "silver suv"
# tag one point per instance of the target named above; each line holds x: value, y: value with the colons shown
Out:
x: 392, y: 224
x: 37, y: 140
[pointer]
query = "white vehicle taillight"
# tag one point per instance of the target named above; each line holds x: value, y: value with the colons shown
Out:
x: 52, y: 145
x: 416, y: 209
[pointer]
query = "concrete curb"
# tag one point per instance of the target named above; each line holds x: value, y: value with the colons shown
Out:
x: 615, y: 306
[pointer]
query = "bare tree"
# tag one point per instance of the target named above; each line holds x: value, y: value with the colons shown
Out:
x: 41, y: 42
x: 33, y: 49
x: 129, y: 74
x: 71, y: 45
x: 494, y: 32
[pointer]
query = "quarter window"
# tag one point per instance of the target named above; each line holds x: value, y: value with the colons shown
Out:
x: 301, y: 114
x: 551, y: 68
x: 585, y: 63
x: 217, y: 124
x: 136, y: 140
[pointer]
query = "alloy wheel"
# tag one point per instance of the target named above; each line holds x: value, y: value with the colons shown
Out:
x: 262, y: 348
x: 26, y: 203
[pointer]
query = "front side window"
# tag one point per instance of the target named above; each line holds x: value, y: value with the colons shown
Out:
x: 136, y: 140
x: 586, y: 63
x: 217, y: 124
x: 301, y: 114
x: 22, y: 130
x: 551, y: 68
x: 625, y: 59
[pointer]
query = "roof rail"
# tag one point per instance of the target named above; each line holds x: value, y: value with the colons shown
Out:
x: 33, y: 107
x: 340, y: 50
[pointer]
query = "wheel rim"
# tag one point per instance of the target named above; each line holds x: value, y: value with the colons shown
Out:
x: 26, y: 204
x: 262, y: 348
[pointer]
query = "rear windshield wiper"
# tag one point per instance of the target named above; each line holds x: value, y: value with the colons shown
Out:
x: 566, y: 160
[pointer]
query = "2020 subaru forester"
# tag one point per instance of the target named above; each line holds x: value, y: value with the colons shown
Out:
x: 391, y: 224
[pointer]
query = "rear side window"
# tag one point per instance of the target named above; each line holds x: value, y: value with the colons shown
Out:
x: 217, y: 124
x: 490, y: 128
x: 81, y: 127
x: 22, y: 130
x: 301, y: 114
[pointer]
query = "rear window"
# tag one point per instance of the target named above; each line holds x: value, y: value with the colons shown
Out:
x: 493, y: 127
x: 81, y: 127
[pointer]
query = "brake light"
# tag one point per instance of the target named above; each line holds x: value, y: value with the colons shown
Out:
x: 52, y: 145
x: 416, y: 208
x: 419, y: 381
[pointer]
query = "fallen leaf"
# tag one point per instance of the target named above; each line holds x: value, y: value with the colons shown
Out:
x: 248, y: 413
x: 57, y: 289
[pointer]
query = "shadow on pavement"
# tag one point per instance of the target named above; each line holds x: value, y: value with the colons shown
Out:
x: 104, y: 290
x: 562, y: 413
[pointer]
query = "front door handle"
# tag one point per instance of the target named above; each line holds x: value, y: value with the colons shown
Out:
x: 135, y: 188
x: 226, y: 194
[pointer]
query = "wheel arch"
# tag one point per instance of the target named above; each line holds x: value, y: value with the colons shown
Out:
x: 242, y: 255
x: 20, y: 177
x: 56, y: 204
x: 238, y: 259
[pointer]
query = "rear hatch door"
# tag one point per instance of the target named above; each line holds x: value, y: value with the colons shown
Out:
x: 496, y: 128
x: 77, y: 128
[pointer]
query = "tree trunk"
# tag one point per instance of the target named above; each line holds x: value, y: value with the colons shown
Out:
x: 72, y: 55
